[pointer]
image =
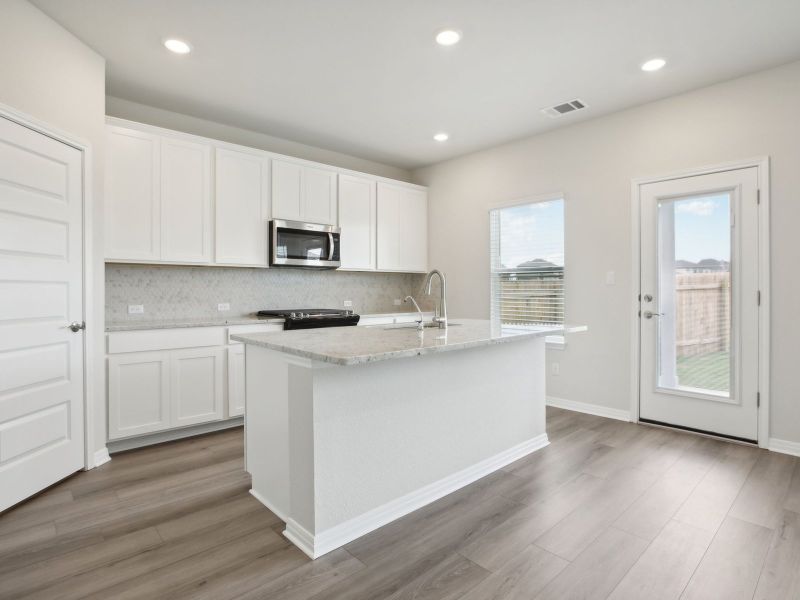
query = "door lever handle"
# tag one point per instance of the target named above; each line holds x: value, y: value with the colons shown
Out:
x: 649, y: 314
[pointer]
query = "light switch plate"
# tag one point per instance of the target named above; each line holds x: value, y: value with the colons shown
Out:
x: 611, y: 278
x: 555, y: 368
x: 348, y: 304
x: 223, y: 306
x: 135, y: 309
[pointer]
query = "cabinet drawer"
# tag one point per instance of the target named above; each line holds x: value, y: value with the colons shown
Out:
x: 239, y: 329
x: 165, y: 339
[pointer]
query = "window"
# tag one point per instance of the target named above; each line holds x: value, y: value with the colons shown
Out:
x: 527, y: 263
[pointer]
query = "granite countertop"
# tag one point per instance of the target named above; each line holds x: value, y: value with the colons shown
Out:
x: 194, y: 322
x: 358, y: 345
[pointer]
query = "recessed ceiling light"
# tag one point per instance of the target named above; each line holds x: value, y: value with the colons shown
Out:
x: 448, y: 37
x: 178, y: 46
x: 441, y: 137
x: 653, y: 64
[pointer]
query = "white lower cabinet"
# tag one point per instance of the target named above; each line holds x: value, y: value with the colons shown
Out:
x: 196, y: 385
x: 162, y: 379
x: 138, y: 393
x: 236, y: 380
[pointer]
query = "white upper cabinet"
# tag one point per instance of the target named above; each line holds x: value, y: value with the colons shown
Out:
x: 303, y: 193
x: 158, y: 198
x: 242, y: 207
x: 319, y: 193
x: 357, y: 220
x: 286, y: 191
x: 181, y: 199
x: 132, y: 196
x: 402, y: 228
x: 185, y: 201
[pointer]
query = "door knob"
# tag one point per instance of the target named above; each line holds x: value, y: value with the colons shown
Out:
x: 649, y: 314
x: 76, y: 327
x: 648, y: 298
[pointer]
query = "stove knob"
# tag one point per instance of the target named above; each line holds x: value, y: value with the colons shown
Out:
x: 293, y: 316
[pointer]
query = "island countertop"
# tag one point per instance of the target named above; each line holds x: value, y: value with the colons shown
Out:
x: 358, y: 345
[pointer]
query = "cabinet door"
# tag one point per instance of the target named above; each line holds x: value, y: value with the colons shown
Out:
x: 286, y: 191
x: 402, y: 228
x: 138, y: 393
x: 132, y: 196
x: 242, y: 186
x: 357, y: 221
x: 414, y: 231
x: 319, y: 196
x: 196, y: 385
x: 236, y: 394
x: 185, y: 201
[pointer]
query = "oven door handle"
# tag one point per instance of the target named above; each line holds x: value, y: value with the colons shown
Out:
x: 330, y: 244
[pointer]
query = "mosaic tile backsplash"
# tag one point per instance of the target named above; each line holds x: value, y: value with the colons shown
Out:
x: 169, y: 292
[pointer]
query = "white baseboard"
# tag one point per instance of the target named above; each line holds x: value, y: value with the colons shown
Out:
x: 590, y: 409
x: 172, y: 434
x: 279, y: 513
x: 339, y: 535
x: 784, y: 446
x: 101, y: 457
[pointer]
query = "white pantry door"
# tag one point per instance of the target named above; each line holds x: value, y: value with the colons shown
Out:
x: 41, y: 293
x: 699, y: 304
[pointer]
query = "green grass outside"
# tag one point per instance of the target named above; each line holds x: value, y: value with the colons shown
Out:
x: 705, y: 371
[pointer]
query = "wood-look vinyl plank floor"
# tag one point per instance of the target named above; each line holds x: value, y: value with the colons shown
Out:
x: 608, y: 510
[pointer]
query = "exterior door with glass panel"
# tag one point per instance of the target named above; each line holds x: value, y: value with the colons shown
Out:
x: 699, y: 303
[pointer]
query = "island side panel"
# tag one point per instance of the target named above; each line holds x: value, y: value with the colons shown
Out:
x: 391, y: 430
x: 267, y: 427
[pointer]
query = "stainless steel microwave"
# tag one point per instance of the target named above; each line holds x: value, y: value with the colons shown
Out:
x: 298, y: 244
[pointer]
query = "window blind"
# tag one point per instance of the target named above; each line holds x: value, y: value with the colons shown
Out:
x: 527, y: 263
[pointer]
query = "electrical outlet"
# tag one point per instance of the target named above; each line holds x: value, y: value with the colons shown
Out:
x: 398, y: 302
x: 555, y: 368
x: 223, y: 306
x: 348, y: 304
x: 135, y: 309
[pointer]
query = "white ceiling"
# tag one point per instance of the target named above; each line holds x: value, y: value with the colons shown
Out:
x: 365, y: 77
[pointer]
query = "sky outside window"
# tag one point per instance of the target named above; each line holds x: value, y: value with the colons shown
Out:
x: 703, y: 228
x: 532, y: 231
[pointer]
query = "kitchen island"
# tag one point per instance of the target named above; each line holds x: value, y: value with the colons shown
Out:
x: 350, y: 428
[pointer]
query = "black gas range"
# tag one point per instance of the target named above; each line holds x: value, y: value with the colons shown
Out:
x: 312, y: 318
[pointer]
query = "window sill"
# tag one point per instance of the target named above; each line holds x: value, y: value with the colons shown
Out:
x: 555, y: 342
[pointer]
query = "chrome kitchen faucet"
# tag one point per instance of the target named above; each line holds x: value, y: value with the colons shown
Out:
x: 440, y: 313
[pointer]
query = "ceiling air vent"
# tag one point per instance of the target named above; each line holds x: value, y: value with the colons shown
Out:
x: 560, y: 110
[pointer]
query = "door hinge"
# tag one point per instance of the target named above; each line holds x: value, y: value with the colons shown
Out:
x: 758, y: 399
x: 758, y: 196
x: 758, y: 297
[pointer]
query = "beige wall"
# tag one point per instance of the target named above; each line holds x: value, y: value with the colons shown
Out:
x: 593, y: 163
x: 50, y: 75
x: 125, y: 109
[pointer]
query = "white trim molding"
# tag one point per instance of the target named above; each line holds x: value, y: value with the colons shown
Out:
x: 764, y: 320
x: 784, y: 446
x: 590, y: 409
x: 279, y: 513
x: 315, y: 545
x: 101, y: 457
